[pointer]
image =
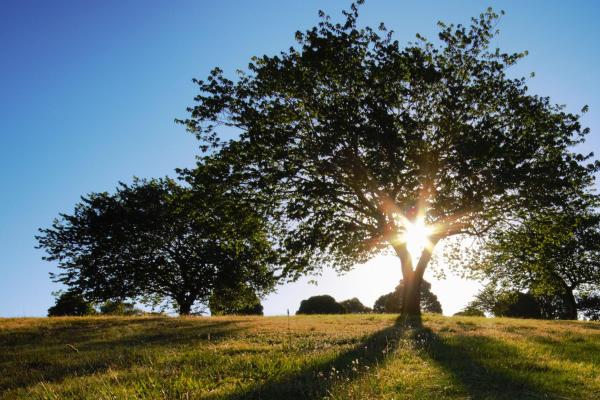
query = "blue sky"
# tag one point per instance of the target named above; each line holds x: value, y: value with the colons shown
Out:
x: 89, y: 91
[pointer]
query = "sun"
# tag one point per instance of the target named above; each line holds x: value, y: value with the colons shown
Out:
x: 416, y: 236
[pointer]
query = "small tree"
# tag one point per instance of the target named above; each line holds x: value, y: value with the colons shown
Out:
x: 324, y: 304
x: 392, y: 302
x: 550, y: 254
x: 157, y: 238
x: 70, y: 303
x: 358, y: 140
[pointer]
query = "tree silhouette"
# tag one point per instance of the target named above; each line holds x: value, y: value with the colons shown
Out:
x: 392, y: 302
x: 157, y: 238
x: 354, y: 306
x: 589, y: 305
x: 323, y: 304
x: 551, y: 254
x: 356, y: 138
x: 236, y: 300
x: 71, y: 303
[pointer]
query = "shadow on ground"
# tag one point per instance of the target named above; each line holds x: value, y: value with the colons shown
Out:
x: 315, y: 381
x: 461, y: 357
x: 484, y: 367
x: 87, y: 348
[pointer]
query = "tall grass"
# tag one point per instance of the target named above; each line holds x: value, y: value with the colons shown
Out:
x: 336, y: 357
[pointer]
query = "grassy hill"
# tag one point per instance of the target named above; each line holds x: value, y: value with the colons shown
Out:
x: 334, y: 357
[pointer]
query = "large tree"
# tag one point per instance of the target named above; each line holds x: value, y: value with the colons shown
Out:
x: 158, y: 238
x: 359, y: 140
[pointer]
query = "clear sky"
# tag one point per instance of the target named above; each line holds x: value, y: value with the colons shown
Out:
x: 89, y: 91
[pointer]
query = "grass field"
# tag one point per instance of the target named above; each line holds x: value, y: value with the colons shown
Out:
x: 333, y: 357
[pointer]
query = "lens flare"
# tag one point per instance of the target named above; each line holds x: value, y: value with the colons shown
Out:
x: 416, y: 236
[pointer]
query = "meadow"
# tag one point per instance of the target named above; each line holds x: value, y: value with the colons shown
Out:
x: 366, y: 356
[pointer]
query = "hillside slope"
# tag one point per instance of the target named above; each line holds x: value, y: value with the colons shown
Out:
x: 336, y: 357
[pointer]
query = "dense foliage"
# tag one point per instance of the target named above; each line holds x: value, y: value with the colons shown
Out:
x: 354, y: 306
x: 503, y: 302
x: 71, y: 303
x: 354, y: 137
x: 553, y: 255
x: 323, y: 304
x: 516, y: 305
x: 158, y: 239
x: 589, y: 306
x: 235, y: 300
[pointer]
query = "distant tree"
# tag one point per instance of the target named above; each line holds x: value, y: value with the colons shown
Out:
x: 470, y: 311
x: 517, y: 305
x: 387, y: 303
x: 70, y: 303
x: 157, y: 238
x: 555, y: 306
x: 502, y: 302
x: 356, y: 139
x: 550, y: 254
x: 392, y: 302
x: 485, y: 300
x: 354, y: 306
x: 112, y: 307
x: 241, y: 300
x: 324, y: 304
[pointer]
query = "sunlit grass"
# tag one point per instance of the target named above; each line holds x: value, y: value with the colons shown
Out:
x: 338, y: 357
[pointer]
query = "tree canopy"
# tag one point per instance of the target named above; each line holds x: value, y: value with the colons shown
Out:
x: 159, y: 239
x: 323, y: 304
x: 354, y: 306
x: 356, y: 137
x: 235, y: 300
x: 71, y: 303
x: 550, y: 254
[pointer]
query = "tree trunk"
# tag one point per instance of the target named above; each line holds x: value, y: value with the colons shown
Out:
x: 185, y: 305
x: 411, y: 302
x: 571, y: 304
x: 185, y: 308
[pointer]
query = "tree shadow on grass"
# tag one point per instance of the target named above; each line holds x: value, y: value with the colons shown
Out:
x: 315, y: 380
x: 75, y: 352
x: 462, y: 357
x: 489, y: 368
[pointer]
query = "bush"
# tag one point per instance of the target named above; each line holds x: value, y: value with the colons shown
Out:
x: 516, y: 305
x: 354, y: 306
x: 70, y: 303
x: 324, y: 304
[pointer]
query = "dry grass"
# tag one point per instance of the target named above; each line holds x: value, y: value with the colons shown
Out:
x: 337, y: 357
